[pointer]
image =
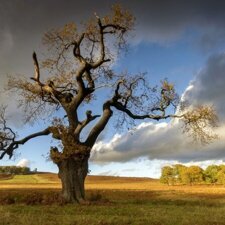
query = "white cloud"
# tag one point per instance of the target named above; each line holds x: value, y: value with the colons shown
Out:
x: 23, y: 163
x: 184, y: 95
x: 143, y: 167
x: 163, y: 141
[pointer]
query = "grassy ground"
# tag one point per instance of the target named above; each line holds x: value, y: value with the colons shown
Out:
x: 128, y: 201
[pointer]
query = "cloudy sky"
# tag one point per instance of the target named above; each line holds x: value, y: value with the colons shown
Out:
x: 181, y: 40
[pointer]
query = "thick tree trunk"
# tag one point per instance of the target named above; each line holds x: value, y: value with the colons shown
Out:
x: 72, y: 172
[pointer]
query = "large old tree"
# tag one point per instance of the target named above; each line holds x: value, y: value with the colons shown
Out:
x: 78, y: 69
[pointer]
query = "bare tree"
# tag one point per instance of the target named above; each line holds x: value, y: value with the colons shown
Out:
x: 80, y: 65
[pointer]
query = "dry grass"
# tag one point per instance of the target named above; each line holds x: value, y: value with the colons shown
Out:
x: 112, y: 201
x: 5, y: 176
x: 51, y: 181
x: 112, y: 207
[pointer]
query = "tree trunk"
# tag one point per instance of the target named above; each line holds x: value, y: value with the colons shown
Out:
x: 72, y: 172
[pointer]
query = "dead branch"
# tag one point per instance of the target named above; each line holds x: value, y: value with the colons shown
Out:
x: 8, y: 142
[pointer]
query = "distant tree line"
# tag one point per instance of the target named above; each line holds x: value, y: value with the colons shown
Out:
x: 180, y: 174
x: 14, y: 170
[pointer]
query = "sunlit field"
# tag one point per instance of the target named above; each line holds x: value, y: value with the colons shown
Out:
x: 35, y: 199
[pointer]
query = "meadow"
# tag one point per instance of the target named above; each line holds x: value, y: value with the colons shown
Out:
x: 35, y: 200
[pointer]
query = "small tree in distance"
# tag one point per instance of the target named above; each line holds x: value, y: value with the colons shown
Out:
x: 194, y: 174
x: 167, y: 175
x: 79, y: 67
x: 220, y: 177
x: 179, y: 174
x: 211, y: 173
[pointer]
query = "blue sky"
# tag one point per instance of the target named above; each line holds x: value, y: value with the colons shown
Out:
x: 185, y: 44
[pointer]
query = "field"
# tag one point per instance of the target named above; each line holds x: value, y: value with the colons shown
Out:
x: 35, y: 200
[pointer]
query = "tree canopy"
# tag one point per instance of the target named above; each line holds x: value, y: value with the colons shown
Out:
x: 180, y: 174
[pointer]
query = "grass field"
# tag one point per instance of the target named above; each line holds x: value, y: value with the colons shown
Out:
x: 35, y: 200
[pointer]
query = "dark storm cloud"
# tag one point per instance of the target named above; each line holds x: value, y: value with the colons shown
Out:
x: 23, y: 22
x: 156, y: 20
x: 160, y: 16
x: 208, y: 86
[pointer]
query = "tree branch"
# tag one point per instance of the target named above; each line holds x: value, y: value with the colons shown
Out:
x: 76, y: 48
x: 122, y: 108
x: 84, y: 123
x: 9, y: 148
x: 99, y: 127
x: 49, y: 88
x: 115, y: 102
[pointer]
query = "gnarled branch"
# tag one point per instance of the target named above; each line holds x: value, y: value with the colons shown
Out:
x: 84, y: 123
x: 12, y: 144
x: 100, y: 125
x: 8, y: 142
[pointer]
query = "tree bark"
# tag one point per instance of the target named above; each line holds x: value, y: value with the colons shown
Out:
x: 72, y: 172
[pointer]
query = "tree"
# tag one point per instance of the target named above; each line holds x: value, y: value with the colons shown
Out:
x: 192, y: 175
x: 14, y: 170
x: 220, y: 177
x: 25, y: 170
x: 167, y: 175
x: 211, y: 173
x: 178, y: 170
x: 78, y: 67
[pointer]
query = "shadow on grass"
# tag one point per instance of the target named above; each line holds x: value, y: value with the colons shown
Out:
x: 111, y: 197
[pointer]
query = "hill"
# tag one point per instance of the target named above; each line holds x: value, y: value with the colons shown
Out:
x: 51, y: 180
x: 44, y: 180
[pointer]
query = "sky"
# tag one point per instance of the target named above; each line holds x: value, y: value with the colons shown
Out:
x: 180, y: 40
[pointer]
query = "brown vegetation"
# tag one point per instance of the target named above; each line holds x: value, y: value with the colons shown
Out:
x: 6, y: 176
x: 103, y: 188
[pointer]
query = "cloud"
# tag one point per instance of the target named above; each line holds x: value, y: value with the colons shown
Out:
x: 108, y: 173
x: 157, y: 21
x: 157, y: 141
x: 23, y: 163
x: 165, y: 22
x: 165, y: 141
x: 145, y: 167
x: 6, y: 42
x: 208, y: 86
